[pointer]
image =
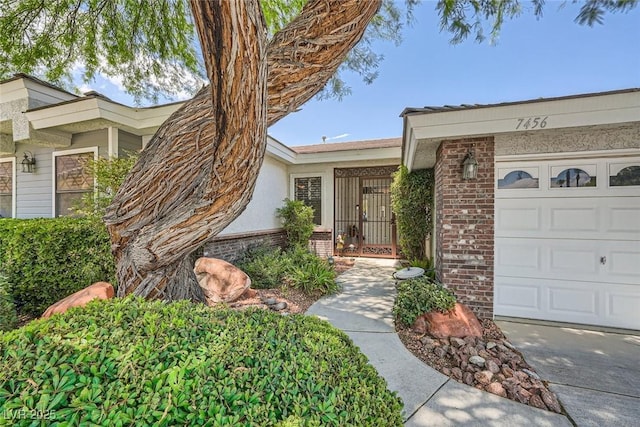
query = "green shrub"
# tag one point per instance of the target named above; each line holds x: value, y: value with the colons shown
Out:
x: 109, y: 174
x: 297, y: 221
x: 418, y: 296
x: 134, y: 362
x: 265, y: 266
x: 310, y: 274
x: 44, y: 260
x: 297, y: 268
x: 8, y: 317
x: 411, y: 201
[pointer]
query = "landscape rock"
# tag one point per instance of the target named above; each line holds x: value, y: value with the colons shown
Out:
x: 99, y: 290
x: 483, y: 377
x: 459, y: 322
x: 477, y: 360
x: 496, y: 388
x: 468, y: 378
x: 428, y: 342
x: 457, y: 342
x: 491, y: 345
x: 551, y: 401
x: 220, y: 281
x: 492, y: 366
x: 531, y: 374
x: 279, y: 306
x: 537, y: 402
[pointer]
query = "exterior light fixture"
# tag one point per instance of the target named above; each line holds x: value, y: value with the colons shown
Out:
x: 28, y: 163
x: 470, y: 167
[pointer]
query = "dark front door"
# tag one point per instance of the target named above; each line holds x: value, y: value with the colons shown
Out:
x: 363, y: 214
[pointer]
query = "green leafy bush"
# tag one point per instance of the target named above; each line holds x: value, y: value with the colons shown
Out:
x: 310, y: 274
x: 266, y: 266
x: 418, y: 296
x: 411, y: 200
x: 44, y: 260
x: 297, y: 268
x: 134, y: 362
x: 109, y: 174
x: 297, y: 221
x: 8, y: 317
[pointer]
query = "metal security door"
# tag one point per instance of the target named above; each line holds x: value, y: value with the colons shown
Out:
x: 362, y: 212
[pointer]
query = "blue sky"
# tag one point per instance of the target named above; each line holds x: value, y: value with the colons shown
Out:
x: 552, y: 56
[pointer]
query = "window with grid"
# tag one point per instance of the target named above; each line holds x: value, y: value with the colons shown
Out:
x: 73, y: 181
x: 308, y: 190
x: 6, y: 189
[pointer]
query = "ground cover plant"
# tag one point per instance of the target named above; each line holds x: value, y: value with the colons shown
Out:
x: 126, y: 361
x: 295, y: 268
x: 418, y: 296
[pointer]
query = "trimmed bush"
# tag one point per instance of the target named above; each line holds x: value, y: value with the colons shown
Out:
x: 45, y: 260
x: 411, y: 200
x: 133, y: 362
x: 8, y: 317
x: 418, y: 296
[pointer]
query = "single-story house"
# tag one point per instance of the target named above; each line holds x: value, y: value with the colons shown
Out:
x: 547, y: 228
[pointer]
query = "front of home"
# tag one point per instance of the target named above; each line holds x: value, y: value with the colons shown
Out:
x: 549, y: 227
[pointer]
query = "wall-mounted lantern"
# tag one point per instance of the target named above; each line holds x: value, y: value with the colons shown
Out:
x: 29, y: 162
x: 470, y: 167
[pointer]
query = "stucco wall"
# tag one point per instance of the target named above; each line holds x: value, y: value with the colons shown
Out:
x: 591, y: 138
x: 272, y: 187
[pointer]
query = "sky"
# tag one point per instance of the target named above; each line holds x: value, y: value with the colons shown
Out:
x: 532, y: 58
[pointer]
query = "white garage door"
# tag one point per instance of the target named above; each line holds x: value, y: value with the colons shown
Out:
x: 568, y: 240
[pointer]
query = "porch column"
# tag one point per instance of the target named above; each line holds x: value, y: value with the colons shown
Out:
x: 465, y: 222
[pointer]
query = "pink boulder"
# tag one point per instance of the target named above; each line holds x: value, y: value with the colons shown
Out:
x: 100, y: 290
x: 459, y: 322
x: 220, y: 281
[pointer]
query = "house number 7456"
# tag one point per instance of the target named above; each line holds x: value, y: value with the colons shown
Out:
x: 532, y: 123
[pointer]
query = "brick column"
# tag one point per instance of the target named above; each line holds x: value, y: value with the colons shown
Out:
x: 465, y: 223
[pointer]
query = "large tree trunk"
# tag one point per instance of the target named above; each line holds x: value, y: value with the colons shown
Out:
x: 199, y: 170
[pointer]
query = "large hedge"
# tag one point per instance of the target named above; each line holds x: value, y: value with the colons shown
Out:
x: 44, y: 260
x: 411, y: 201
x: 134, y: 362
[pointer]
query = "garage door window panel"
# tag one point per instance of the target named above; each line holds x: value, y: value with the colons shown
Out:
x: 518, y: 179
x: 573, y: 177
x: 624, y: 175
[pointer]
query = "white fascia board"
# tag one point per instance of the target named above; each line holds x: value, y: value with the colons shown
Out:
x: 280, y: 151
x: 564, y: 113
x: 46, y: 94
x: 13, y: 90
x: 73, y: 112
x: 389, y: 153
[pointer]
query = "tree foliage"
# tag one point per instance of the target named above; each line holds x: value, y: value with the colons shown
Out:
x: 150, y: 46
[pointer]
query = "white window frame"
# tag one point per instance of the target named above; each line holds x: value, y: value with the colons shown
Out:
x: 323, y: 180
x: 14, y: 187
x: 55, y: 154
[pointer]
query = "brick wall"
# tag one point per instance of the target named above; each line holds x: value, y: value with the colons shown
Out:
x: 230, y: 247
x: 465, y: 223
x: 321, y: 243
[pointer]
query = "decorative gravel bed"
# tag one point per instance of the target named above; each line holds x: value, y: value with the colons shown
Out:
x: 490, y: 363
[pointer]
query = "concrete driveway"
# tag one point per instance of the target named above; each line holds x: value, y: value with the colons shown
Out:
x: 596, y: 375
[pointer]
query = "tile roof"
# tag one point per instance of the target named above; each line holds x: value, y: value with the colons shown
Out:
x: 351, y: 145
x: 445, y: 108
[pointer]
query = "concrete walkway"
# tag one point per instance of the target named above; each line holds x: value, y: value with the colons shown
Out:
x: 364, y: 311
x: 596, y: 375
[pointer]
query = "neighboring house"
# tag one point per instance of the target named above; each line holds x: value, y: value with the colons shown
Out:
x: 550, y: 228
x: 62, y: 131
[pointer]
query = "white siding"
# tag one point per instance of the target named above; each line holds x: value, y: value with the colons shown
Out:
x: 271, y: 189
x: 33, y: 190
